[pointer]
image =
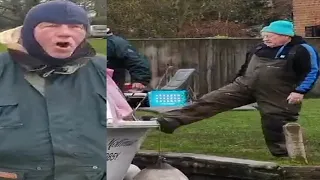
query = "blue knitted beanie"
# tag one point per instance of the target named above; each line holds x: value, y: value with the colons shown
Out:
x: 281, y: 27
x: 58, y: 12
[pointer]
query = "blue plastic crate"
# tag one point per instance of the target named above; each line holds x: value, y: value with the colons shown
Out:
x: 176, y: 98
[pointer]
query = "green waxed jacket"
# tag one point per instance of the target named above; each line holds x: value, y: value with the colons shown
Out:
x: 59, y: 134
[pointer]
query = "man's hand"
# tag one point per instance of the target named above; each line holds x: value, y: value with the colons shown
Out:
x: 295, y: 98
x: 138, y: 86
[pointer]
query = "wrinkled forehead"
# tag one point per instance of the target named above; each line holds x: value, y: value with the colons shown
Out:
x: 271, y: 35
x: 58, y: 25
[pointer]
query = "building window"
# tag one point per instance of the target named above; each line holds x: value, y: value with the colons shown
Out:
x: 312, y: 31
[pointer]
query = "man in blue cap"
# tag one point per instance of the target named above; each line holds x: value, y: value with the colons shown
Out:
x: 277, y: 74
x: 53, y: 96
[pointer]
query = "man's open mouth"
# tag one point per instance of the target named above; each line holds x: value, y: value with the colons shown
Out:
x: 63, y: 44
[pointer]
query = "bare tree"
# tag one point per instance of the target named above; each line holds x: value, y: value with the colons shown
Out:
x: 168, y: 18
x: 281, y: 9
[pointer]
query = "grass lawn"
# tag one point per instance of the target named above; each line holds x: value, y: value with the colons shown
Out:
x: 2, y: 48
x: 100, y: 45
x: 236, y: 134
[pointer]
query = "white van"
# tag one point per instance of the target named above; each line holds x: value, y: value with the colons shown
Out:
x: 98, y: 31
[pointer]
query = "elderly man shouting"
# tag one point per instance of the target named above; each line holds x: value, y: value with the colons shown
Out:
x: 53, y: 95
x: 277, y: 74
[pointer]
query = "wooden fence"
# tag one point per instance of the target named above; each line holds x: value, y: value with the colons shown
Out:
x: 216, y: 60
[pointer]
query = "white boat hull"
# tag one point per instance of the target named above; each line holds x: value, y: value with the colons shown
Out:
x: 123, y: 142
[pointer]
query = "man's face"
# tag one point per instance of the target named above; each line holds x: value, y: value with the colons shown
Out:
x: 274, y: 40
x: 59, y: 40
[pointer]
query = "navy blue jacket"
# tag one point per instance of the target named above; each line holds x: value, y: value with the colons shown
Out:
x: 122, y: 56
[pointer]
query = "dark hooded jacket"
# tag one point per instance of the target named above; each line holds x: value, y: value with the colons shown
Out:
x: 123, y: 56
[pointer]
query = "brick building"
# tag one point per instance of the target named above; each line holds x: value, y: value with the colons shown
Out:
x: 306, y: 15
